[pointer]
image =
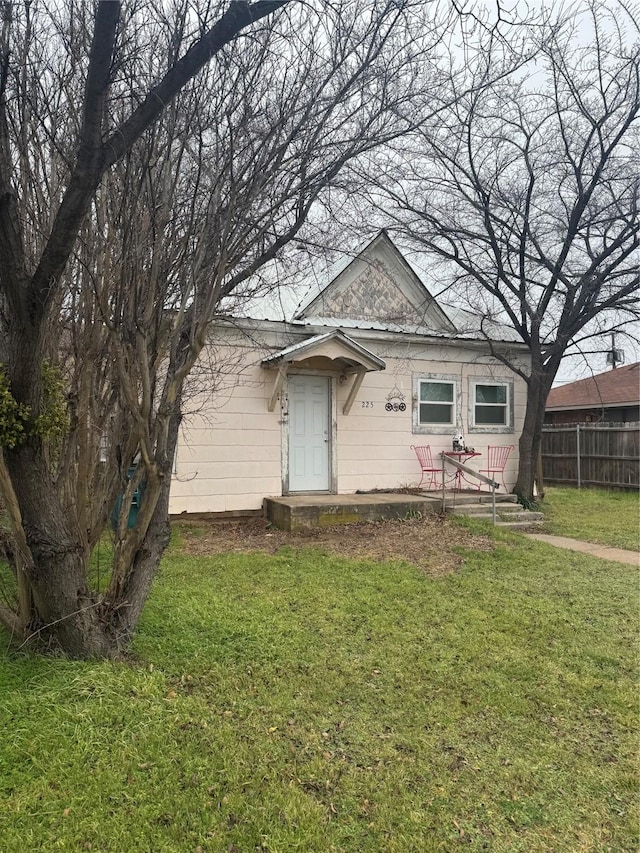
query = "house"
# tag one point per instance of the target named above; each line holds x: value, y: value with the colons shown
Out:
x: 611, y: 397
x: 329, y: 398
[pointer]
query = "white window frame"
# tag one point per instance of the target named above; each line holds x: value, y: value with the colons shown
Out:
x: 474, y: 426
x: 424, y: 427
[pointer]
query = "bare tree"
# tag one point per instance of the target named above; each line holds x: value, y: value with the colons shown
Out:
x: 528, y: 191
x: 152, y: 159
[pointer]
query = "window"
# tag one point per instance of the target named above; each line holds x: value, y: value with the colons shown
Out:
x: 490, y: 405
x: 437, y: 402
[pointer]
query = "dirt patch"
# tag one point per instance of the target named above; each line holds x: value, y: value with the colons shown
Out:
x: 431, y: 543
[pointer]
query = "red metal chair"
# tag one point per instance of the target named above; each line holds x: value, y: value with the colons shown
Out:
x: 497, y: 458
x: 423, y: 452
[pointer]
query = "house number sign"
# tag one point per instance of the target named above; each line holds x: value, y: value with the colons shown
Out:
x: 395, y: 401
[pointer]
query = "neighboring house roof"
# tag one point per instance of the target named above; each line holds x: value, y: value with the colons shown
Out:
x: 377, y: 289
x: 619, y: 387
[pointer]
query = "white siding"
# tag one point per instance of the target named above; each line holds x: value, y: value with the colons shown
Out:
x: 230, y: 453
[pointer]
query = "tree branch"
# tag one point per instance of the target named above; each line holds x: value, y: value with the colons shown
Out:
x: 94, y: 160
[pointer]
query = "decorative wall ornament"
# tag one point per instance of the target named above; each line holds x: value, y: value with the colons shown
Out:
x: 395, y: 401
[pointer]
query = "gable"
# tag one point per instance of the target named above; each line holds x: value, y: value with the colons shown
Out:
x: 372, y: 295
x: 334, y: 347
x: 378, y: 288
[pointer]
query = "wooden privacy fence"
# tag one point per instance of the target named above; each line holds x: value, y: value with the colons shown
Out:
x: 592, y: 455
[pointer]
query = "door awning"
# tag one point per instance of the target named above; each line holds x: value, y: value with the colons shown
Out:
x: 343, y: 353
x: 334, y: 351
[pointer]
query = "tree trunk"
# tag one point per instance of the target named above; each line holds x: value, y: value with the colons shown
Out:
x: 539, y: 475
x: 65, y: 614
x: 530, y: 439
x: 63, y: 610
x: 142, y: 571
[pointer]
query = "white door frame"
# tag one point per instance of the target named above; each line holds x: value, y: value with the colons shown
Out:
x: 332, y: 431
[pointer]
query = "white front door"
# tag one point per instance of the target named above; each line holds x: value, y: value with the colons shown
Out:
x: 309, y: 433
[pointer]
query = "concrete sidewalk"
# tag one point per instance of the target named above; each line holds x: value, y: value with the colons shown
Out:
x: 618, y: 555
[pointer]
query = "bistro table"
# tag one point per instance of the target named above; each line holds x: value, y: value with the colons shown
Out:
x: 461, y: 456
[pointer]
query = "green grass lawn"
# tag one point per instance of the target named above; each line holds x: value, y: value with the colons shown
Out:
x: 306, y: 702
x: 595, y: 515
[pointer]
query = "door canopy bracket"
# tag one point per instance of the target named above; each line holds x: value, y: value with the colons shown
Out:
x: 334, y: 352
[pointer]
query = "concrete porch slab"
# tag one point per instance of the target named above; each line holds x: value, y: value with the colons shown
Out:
x: 299, y: 511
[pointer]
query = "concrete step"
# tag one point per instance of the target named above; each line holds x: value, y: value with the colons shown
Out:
x: 452, y: 498
x: 505, y: 521
x: 520, y: 525
x: 508, y: 514
x: 521, y: 515
x: 500, y: 498
x: 477, y: 515
x: 301, y: 511
x: 471, y: 509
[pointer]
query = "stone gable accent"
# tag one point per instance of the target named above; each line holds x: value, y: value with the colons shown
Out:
x: 373, y: 295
